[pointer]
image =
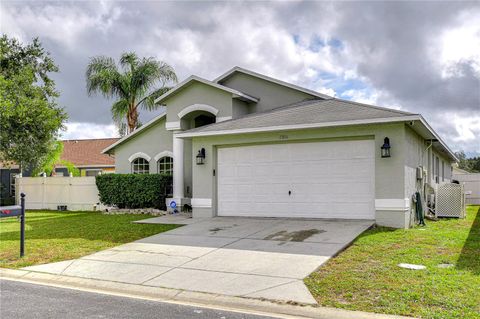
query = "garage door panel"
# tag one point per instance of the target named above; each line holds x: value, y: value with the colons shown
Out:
x: 245, y: 171
x: 279, y: 153
x: 327, y: 180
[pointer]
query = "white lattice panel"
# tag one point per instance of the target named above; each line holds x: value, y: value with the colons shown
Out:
x: 450, y: 200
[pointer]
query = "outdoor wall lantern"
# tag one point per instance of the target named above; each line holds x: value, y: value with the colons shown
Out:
x: 201, y: 157
x: 386, y: 147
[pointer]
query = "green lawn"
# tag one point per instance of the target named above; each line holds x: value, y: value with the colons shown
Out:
x: 366, y: 277
x: 54, y: 236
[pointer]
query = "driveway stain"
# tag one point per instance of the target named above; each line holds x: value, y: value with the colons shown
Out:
x: 296, y: 236
x: 217, y: 229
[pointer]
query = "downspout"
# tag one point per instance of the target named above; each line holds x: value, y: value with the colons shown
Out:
x: 423, y: 188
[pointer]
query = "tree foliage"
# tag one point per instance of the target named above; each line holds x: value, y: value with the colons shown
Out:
x: 30, y: 117
x: 134, y: 85
x: 471, y: 165
x: 53, y: 159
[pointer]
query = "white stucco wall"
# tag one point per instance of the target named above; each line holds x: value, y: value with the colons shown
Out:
x: 151, y: 141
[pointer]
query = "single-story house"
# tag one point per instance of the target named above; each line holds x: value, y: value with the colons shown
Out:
x: 86, y: 155
x: 246, y: 144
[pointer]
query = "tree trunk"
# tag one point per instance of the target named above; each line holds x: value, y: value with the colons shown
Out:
x: 132, y: 119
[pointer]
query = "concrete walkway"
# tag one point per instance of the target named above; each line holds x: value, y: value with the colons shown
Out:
x: 247, y: 257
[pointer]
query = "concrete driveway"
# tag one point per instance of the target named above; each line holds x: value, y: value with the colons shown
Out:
x: 250, y: 257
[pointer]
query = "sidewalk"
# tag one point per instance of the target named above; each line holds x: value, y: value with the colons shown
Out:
x: 250, y: 305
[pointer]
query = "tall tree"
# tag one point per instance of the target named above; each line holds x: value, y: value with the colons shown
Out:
x: 471, y: 165
x: 134, y: 84
x: 53, y: 159
x: 30, y: 119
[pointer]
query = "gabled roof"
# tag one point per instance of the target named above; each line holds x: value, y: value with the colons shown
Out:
x: 307, y: 113
x: 269, y: 79
x: 134, y: 133
x: 318, y: 114
x: 88, y: 152
x: 193, y: 78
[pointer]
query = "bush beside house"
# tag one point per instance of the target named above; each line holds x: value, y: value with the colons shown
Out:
x: 133, y: 190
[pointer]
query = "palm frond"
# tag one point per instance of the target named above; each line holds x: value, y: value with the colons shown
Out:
x: 119, y: 110
x: 102, y: 76
x: 129, y: 61
x: 148, y: 103
x: 150, y: 74
x: 135, y: 85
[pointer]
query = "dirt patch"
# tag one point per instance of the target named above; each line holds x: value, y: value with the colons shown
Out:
x: 297, y: 236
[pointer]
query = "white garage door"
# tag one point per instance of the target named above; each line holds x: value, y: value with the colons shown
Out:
x: 308, y: 180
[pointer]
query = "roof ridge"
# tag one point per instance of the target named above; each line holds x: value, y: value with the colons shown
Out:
x: 199, y: 79
x: 375, y: 106
x: 90, y: 139
x: 276, y: 109
x: 308, y: 104
x: 271, y: 79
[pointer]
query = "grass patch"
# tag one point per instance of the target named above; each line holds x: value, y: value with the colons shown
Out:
x: 52, y: 236
x: 366, y: 276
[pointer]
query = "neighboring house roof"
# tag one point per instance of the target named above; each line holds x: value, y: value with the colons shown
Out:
x: 88, y: 152
x: 194, y: 78
x: 269, y: 79
x: 8, y: 165
x: 156, y: 119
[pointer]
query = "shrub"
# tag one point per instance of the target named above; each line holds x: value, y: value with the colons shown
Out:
x: 133, y: 190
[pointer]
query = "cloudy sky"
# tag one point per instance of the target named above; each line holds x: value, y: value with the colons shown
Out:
x: 422, y: 57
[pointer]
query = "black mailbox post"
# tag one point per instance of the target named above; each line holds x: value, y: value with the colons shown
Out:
x: 9, y: 211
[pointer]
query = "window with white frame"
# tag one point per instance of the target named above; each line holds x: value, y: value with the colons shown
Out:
x: 165, y: 165
x: 437, y: 169
x: 140, y: 166
x: 12, y: 184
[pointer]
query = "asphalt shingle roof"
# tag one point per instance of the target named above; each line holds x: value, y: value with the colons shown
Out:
x: 306, y: 112
x: 88, y: 152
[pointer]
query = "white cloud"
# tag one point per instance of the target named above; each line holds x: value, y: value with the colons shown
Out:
x: 63, y: 24
x: 328, y: 91
x: 399, y: 51
x: 361, y: 96
x: 468, y: 129
x: 460, y: 44
x: 78, y: 130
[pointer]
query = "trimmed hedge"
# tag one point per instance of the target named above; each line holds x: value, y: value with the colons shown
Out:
x: 133, y: 190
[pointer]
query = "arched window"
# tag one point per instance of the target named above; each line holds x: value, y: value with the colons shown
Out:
x: 165, y: 165
x: 140, y: 166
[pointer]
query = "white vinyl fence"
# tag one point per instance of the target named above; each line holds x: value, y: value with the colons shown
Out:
x: 471, y: 184
x: 77, y: 193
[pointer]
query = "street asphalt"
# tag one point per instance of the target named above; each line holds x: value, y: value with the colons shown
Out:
x: 25, y: 300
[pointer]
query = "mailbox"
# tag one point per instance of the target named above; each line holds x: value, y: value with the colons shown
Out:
x: 9, y: 211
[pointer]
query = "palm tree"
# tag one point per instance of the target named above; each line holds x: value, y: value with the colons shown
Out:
x: 133, y: 85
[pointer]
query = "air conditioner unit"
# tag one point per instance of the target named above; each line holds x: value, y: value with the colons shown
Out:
x: 450, y: 200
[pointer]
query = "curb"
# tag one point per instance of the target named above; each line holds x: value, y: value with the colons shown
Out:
x: 229, y: 303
